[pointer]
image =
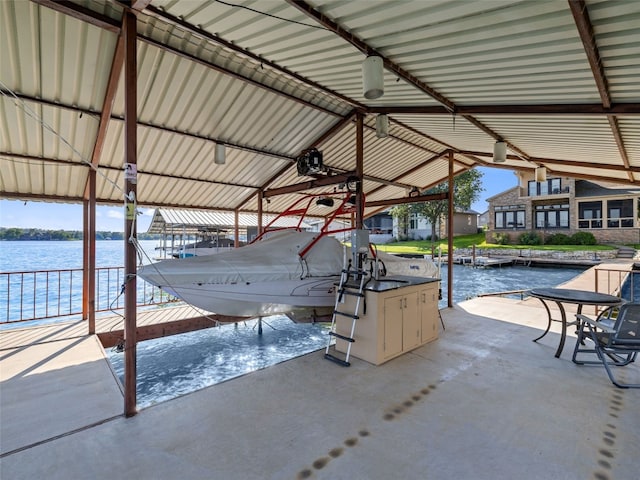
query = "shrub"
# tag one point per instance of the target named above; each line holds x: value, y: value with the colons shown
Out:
x: 529, y: 238
x: 558, y: 239
x: 583, y: 238
x: 500, y: 238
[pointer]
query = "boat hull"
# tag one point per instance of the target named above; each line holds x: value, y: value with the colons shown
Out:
x: 307, y: 296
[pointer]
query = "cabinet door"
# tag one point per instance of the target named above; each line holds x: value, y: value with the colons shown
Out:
x: 392, y: 342
x: 429, y: 314
x: 410, y: 322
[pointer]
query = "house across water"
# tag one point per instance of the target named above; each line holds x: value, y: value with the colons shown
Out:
x: 565, y: 205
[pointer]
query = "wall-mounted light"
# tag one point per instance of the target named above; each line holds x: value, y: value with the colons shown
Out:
x: 414, y: 192
x: 499, y: 152
x: 372, y: 77
x: 219, y: 155
x: 382, y: 125
x: 541, y: 174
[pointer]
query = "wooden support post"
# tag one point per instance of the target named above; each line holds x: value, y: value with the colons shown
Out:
x: 236, y: 228
x: 91, y: 252
x: 450, y: 233
x: 360, y: 169
x: 85, y: 259
x: 130, y: 122
x: 260, y: 198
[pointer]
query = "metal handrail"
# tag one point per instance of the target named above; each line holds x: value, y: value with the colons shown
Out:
x: 47, y: 294
x: 500, y: 294
x: 616, y: 287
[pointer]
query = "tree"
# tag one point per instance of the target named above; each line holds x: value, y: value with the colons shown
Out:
x: 466, y: 189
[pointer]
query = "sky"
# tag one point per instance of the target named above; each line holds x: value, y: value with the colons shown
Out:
x: 62, y: 216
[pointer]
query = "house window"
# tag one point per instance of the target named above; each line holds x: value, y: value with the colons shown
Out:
x: 509, y: 217
x: 552, y: 216
x: 552, y: 186
x: 620, y: 213
x: 413, y: 222
x: 590, y: 215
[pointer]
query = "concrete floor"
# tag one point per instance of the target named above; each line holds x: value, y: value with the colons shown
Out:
x: 482, y: 402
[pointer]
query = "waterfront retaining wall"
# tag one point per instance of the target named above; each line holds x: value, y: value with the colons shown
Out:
x: 547, y: 254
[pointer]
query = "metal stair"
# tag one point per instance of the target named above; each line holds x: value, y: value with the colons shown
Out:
x: 355, y: 290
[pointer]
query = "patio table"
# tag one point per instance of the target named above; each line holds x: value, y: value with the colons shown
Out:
x: 568, y: 296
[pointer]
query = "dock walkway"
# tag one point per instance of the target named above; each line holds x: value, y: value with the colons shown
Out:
x: 449, y: 409
x: 152, y: 323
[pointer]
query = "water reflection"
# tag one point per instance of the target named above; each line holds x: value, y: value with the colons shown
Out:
x: 172, y: 366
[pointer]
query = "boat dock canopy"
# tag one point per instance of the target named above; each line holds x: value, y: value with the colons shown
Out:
x: 193, y: 222
x: 237, y: 106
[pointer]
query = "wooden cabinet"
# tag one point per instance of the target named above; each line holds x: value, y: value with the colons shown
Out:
x: 429, y: 313
x: 401, y: 329
x: 392, y: 322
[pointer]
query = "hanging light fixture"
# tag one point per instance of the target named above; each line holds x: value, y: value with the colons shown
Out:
x: 372, y: 77
x: 325, y: 202
x: 499, y: 152
x: 382, y: 125
x: 541, y: 174
x: 220, y: 154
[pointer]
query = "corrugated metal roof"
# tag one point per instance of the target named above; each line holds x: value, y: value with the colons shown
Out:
x: 193, y: 221
x: 270, y: 79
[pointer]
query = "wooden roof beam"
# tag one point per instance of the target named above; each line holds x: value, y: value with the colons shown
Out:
x: 233, y: 74
x: 300, y: 187
x: 403, y: 200
x: 555, y: 161
x: 153, y: 126
x: 330, y: 132
x: 107, y: 106
x: 414, y: 169
x: 9, y: 155
x: 81, y: 13
x: 246, y: 53
x: 94, y: 18
x: 358, y: 43
x: 514, y: 110
x: 585, y: 29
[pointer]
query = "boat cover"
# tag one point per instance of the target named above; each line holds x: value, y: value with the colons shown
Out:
x: 271, y: 259
x: 413, y: 267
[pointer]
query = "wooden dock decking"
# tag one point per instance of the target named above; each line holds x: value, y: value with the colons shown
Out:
x: 151, y: 323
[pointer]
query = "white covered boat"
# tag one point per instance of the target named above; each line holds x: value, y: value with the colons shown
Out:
x: 287, y: 271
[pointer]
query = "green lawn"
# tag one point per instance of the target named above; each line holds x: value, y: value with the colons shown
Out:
x: 467, y: 241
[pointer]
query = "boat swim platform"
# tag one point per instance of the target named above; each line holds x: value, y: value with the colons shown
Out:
x: 482, y: 402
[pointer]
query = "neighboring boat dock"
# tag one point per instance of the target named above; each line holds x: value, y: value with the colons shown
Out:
x: 483, y: 261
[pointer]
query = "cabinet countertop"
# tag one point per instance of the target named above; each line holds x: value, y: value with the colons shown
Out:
x: 394, y: 282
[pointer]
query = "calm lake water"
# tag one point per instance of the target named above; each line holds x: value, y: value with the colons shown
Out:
x: 169, y: 367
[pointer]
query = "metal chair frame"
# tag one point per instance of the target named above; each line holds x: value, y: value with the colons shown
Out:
x: 615, y: 334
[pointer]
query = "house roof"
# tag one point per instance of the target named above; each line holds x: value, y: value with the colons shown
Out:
x: 585, y: 188
x: 556, y: 80
x: 490, y: 199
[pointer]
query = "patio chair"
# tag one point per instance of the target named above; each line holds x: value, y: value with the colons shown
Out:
x: 615, y: 334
